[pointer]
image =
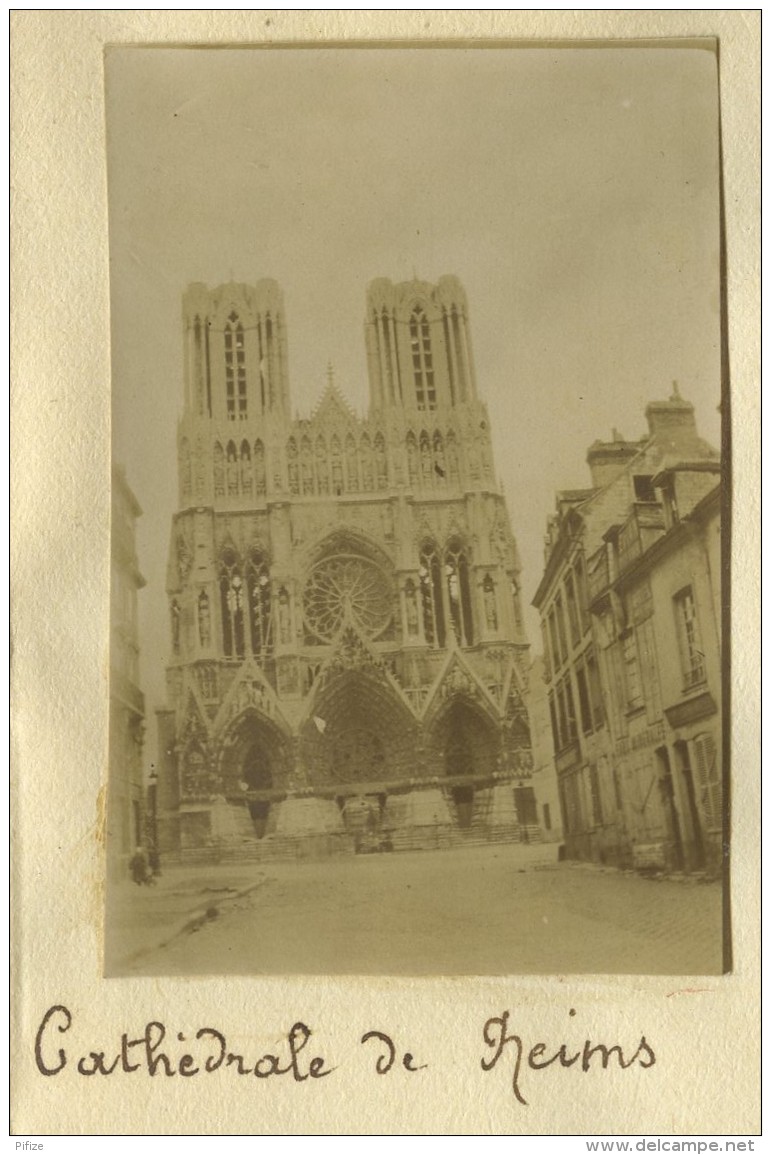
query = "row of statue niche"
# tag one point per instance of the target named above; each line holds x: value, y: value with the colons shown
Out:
x: 429, y: 461
x: 239, y: 471
x: 322, y: 471
x: 236, y: 470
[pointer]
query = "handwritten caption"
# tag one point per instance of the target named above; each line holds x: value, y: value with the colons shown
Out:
x: 158, y: 1051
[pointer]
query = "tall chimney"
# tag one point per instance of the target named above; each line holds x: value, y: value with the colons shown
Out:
x: 606, y: 459
x: 671, y: 417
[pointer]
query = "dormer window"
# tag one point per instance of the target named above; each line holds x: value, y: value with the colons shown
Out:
x: 643, y: 488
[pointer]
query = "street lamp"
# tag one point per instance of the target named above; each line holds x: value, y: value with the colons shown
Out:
x: 154, y: 859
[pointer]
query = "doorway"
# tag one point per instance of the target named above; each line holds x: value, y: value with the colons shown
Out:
x: 695, y: 842
x: 463, y: 797
x: 671, y: 816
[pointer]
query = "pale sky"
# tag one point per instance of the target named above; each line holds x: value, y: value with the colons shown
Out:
x: 574, y: 192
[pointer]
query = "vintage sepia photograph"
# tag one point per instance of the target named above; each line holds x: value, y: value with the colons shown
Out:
x: 419, y: 472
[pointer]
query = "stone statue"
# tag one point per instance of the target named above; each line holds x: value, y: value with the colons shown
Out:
x: 491, y: 611
x: 284, y: 616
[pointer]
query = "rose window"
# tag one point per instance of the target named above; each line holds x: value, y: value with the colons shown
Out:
x: 347, y: 590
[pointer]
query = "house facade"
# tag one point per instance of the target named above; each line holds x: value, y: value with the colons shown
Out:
x: 545, y: 785
x: 630, y: 609
x: 125, y: 798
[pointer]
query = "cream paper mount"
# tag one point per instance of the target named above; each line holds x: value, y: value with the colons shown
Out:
x: 62, y: 398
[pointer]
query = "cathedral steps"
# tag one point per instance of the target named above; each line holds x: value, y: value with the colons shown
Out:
x: 274, y: 848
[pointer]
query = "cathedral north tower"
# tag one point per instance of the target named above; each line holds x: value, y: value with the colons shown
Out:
x: 418, y: 345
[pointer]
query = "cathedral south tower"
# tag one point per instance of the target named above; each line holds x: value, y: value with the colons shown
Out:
x: 346, y: 641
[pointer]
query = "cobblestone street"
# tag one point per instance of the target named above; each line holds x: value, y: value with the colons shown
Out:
x: 476, y: 910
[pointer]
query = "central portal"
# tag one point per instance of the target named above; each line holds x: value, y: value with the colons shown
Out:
x: 359, y: 734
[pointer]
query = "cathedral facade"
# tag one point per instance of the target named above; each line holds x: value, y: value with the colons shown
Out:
x: 347, y: 646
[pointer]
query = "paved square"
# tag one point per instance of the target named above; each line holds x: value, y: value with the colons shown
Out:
x: 476, y: 910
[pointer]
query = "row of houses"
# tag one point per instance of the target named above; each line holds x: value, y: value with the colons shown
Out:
x: 626, y: 703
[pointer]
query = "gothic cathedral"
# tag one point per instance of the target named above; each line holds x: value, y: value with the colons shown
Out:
x: 347, y: 647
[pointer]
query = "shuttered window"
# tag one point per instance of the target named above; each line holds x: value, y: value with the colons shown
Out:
x: 708, y: 779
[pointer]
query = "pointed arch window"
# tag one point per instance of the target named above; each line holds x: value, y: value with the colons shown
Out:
x: 292, y: 466
x: 426, y: 468
x: 185, y: 469
x: 388, y: 353
x: 422, y: 360
x: 413, y: 461
x: 351, y: 464
x: 306, y: 464
x: 235, y: 369
x: 198, y: 366
x: 269, y: 356
x: 258, y: 586
x: 381, y: 463
x: 241, y: 372
x: 322, y: 465
x: 219, y: 470
x: 246, y: 469
x: 367, y: 470
x: 456, y: 572
x: 284, y: 616
x: 230, y: 368
x: 411, y: 607
x: 262, y: 364
x: 460, y: 356
x: 440, y: 468
x: 232, y: 469
x: 337, y: 466
x: 450, y: 359
x: 204, y: 621
x: 207, y: 365
x: 452, y: 458
x: 432, y: 604
x: 232, y: 604
x: 259, y: 468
